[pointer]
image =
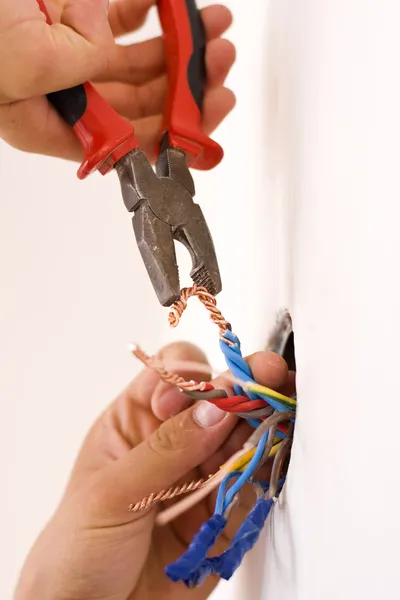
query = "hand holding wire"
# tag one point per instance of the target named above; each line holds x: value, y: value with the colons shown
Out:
x: 271, y: 414
x: 128, y: 455
x: 131, y: 462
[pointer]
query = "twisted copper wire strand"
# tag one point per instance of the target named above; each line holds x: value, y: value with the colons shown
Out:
x: 167, y: 376
x: 175, y: 314
x: 177, y: 310
x: 168, y: 494
x: 207, y: 299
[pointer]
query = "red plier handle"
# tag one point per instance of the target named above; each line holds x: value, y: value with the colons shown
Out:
x: 106, y: 137
x: 185, y: 47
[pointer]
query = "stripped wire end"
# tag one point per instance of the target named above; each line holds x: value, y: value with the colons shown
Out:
x: 271, y: 413
x: 207, y: 299
x: 173, y: 378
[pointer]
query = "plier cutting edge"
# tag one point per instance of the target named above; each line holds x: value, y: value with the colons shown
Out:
x: 161, y: 200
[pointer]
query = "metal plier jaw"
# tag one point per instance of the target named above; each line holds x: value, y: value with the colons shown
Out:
x: 162, y: 201
x: 164, y: 211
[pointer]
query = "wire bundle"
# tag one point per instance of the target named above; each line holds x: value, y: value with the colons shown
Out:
x: 272, y: 416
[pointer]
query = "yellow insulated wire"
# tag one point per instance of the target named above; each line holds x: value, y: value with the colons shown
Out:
x: 242, y: 463
x: 274, y: 450
x: 261, y: 389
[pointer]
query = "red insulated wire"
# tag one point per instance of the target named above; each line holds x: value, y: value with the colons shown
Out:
x: 238, y: 408
x: 231, y: 401
x: 238, y: 403
x: 283, y: 427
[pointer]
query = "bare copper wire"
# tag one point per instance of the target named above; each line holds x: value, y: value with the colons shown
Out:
x: 190, y: 500
x: 175, y: 314
x: 167, y: 376
x: 207, y: 299
x: 177, y: 310
x: 172, y: 492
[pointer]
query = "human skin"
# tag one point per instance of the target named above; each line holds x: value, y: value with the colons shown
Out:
x: 150, y: 438
x: 37, y: 58
x: 93, y: 548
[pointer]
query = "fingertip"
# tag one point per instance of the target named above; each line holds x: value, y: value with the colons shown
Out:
x: 221, y: 54
x: 167, y: 401
x: 268, y: 369
x: 224, y: 13
x: 182, y: 350
x: 218, y: 103
x: 224, y: 47
x: 185, y: 352
x: 140, y: 389
x: 289, y: 386
x: 217, y: 19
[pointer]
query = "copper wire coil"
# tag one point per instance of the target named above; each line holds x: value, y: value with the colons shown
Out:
x: 168, y: 494
x: 207, y: 299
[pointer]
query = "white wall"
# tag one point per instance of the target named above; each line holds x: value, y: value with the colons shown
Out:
x: 309, y: 194
x: 336, y: 534
x: 73, y: 285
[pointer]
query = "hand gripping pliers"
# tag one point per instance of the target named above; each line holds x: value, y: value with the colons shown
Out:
x: 161, y: 200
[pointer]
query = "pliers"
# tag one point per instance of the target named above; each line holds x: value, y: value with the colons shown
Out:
x: 161, y: 200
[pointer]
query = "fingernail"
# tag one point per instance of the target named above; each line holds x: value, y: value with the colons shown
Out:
x: 207, y: 414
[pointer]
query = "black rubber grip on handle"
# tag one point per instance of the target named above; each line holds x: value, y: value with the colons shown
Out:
x: 71, y: 104
x: 197, y: 65
x: 185, y: 47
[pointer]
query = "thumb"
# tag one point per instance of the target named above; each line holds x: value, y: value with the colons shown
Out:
x: 49, y: 57
x: 81, y: 42
x: 88, y: 18
x: 176, y: 447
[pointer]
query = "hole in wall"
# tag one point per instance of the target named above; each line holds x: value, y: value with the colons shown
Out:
x: 282, y: 342
x: 289, y: 353
x: 281, y: 339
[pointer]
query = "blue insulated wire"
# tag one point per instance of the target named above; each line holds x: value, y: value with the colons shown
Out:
x: 241, y: 369
x: 219, y: 504
x: 247, y: 473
